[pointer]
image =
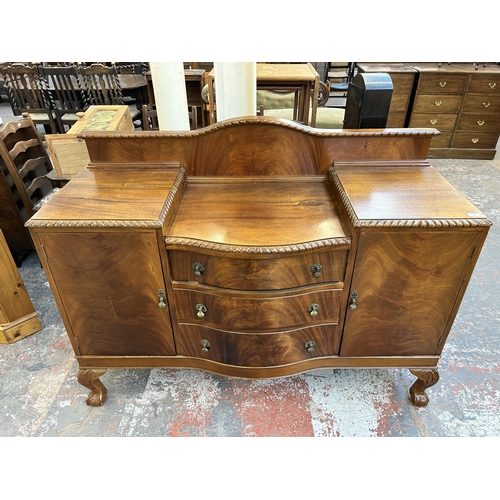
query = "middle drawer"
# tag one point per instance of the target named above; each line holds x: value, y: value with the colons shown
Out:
x: 262, y: 312
x: 258, y: 273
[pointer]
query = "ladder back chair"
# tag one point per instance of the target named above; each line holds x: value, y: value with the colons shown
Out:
x: 26, y: 94
x: 27, y: 161
x: 101, y: 86
x: 65, y: 93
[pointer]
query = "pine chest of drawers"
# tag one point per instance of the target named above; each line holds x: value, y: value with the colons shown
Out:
x: 258, y: 248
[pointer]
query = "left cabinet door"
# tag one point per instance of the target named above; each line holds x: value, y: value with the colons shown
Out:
x: 107, y: 284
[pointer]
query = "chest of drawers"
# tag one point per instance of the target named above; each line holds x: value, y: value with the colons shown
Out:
x: 461, y: 100
x: 221, y: 251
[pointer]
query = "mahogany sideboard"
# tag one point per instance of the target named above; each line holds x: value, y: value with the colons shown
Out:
x: 259, y: 247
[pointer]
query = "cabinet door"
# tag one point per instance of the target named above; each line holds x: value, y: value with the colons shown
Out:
x: 407, y: 285
x: 108, y: 286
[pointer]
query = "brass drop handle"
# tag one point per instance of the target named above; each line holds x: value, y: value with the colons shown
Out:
x: 433, y: 121
x: 492, y: 85
x: 162, y: 303
x: 475, y: 140
x: 205, y: 345
x: 316, y: 270
x: 353, y: 297
x: 309, y: 345
x: 201, y: 310
x: 442, y: 84
x: 438, y: 103
x: 198, y: 269
x: 486, y: 104
x: 313, y: 309
x: 480, y: 123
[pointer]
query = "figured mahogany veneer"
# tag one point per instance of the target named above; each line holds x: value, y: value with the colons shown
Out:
x: 259, y: 248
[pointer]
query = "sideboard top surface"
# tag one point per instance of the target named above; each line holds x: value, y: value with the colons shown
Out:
x: 256, y: 212
x: 107, y: 196
x: 404, y: 193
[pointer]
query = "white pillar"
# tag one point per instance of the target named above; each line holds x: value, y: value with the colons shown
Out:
x: 235, y: 89
x: 170, y: 95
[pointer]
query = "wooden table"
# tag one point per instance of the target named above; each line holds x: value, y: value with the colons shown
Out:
x: 194, y: 84
x: 134, y: 86
x: 302, y: 79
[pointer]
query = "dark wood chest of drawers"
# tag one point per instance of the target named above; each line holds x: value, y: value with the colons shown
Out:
x: 461, y: 100
x: 258, y: 248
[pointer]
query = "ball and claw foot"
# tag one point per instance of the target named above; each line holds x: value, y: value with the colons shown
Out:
x: 90, y: 378
x: 426, y: 377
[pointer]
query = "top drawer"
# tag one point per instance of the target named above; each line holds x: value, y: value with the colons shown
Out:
x: 431, y: 83
x: 480, y: 84
x: 402, y: 82
x: 258, y: 273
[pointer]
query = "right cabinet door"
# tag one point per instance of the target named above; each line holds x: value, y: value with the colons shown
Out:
x: 407, y: 285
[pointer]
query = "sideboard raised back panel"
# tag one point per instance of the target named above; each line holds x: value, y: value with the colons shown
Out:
x: 259, y: 248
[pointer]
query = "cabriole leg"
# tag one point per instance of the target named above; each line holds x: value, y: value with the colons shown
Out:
x: 89, y: 378
x: 426, y: 377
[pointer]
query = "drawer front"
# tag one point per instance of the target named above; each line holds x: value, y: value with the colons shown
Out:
x: 474, y: 141
x: 481, y: 104
x: 443, y: 140
x: 402, y: 83
x: 272, y: 349
x: 479, y: 123
x: 399, y: 102
x: 480, y: 84
x: 257, y: 312
x: 435, y: 120
x: 441, y: 83
x: 258, y: 273
x: 437, y: 103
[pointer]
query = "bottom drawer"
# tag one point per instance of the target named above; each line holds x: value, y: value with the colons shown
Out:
x: 270, y: 349
x: 474, y: 140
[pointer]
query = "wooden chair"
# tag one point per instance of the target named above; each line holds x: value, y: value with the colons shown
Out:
x: 27, y: 95
x: 339, y: 76
x: 101, y: 86
x: 27, y: 161
x: 65, y: 93
x: 147, y: 114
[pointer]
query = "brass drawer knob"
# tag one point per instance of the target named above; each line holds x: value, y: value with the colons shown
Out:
x: 354, y: 298
x: 198, y: 269
x: 309, y: 345
x: 205, y: 345
x: 316, y: 270
x: 486, y: 104
x: 438, y: 103
x: 475, y: 140
x: 433, y: 121
x: 162, y: 303
x: 313, y: 310
x: 442, y: 84
x: 492, y: 85
x: 480, y: 123
x: 201, y: 308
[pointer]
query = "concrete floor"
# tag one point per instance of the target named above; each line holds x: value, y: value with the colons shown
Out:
x: 40, y: 396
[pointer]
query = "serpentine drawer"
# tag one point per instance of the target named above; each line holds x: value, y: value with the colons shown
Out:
x: 254, y: 273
